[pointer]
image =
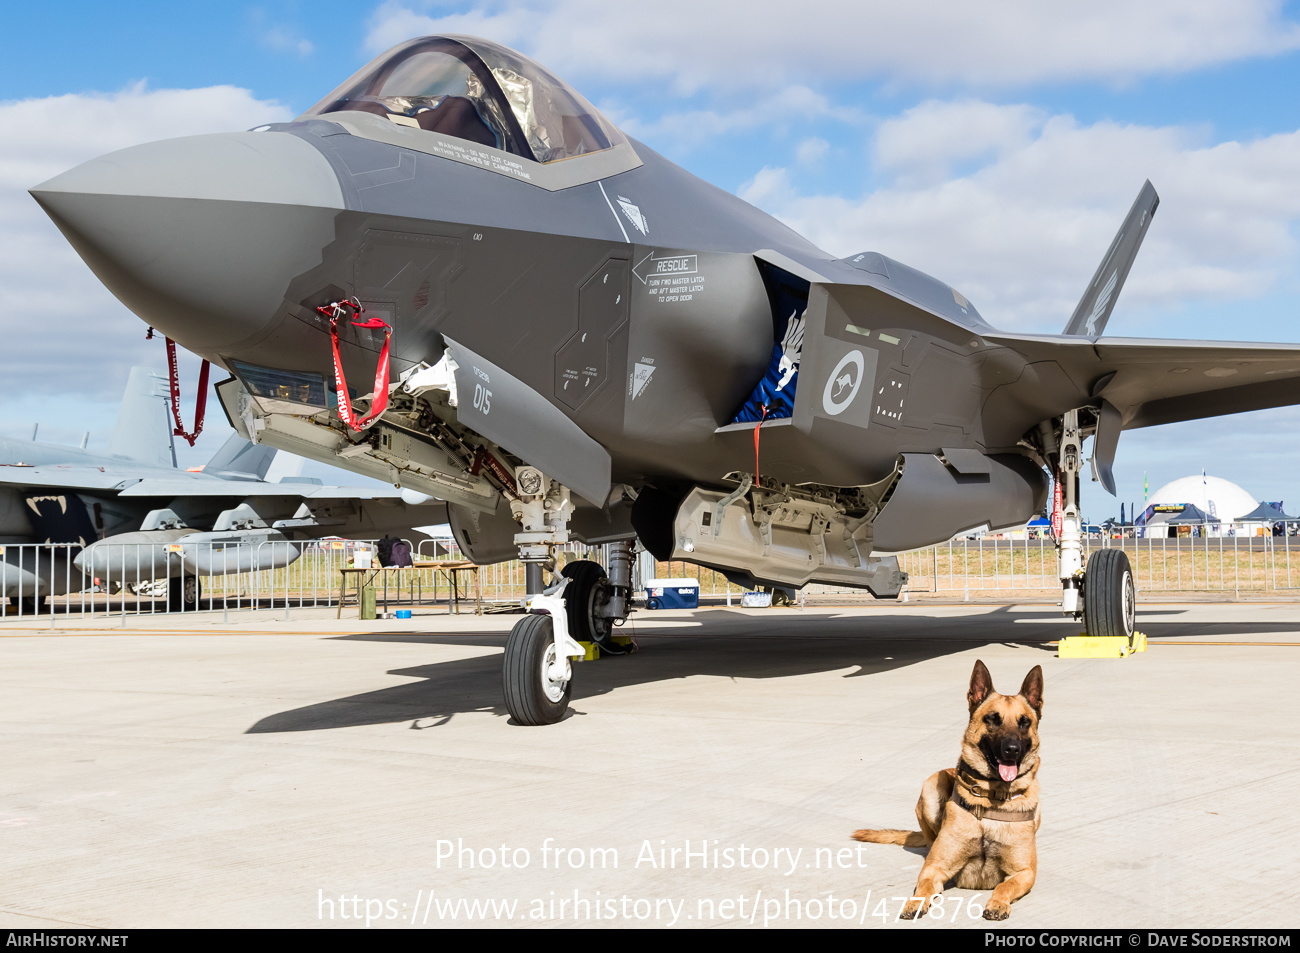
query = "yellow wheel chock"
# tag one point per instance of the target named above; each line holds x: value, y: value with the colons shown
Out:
x: 1084, y: 645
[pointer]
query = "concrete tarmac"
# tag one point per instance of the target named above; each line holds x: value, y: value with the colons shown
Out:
x: 182, y: 772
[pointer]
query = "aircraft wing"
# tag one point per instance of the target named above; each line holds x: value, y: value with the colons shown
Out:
x: 1153, y: 381
x: 64, y: 477
x: 1162, y: 382
x: 240, y: 489
x: 354, y: 493
x: 214, y: 488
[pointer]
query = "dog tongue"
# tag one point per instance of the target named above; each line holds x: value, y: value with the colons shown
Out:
x: 1008, y: 771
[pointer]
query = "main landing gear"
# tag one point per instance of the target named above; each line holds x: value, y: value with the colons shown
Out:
x: 1102, y: 595
x: 582, y: 606
x: 1109, y: 595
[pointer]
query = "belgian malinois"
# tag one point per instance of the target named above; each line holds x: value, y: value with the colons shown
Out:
x: 979, y: 819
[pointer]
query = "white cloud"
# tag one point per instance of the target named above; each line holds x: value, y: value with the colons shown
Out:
x: 279, y: 37
x: 812, y: 151
x: 284, y: 40
x: 926, y: 141
x: 1021, y: 233
x: 684, y: 130
x: 742, y: 43
x: 67, y: 334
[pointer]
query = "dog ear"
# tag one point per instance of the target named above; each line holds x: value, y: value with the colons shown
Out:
x: 981, y: 685
x: 1032, y: 689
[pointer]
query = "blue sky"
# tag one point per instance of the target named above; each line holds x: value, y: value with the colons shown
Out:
x: 996, y: 146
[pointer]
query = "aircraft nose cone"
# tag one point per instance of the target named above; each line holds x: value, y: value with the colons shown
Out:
x: 200, y: 236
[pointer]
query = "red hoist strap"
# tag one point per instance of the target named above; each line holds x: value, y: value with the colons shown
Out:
x: 1058, y: 520
x: 379, y: 403
x: 201, y: 404
x: 757, y: 427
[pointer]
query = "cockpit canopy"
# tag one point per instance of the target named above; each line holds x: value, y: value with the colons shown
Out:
x: 479, y: 91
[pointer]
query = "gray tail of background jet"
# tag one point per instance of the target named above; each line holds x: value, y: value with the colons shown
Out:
x: 1094, y: 308
x: 143, y: 431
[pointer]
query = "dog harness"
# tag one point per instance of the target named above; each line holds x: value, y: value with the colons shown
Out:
x: 987, y: 813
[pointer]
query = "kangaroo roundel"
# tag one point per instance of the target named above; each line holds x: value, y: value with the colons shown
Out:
x: 842, y: 386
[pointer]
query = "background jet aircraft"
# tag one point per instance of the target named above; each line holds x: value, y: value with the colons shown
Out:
x: 586, y: 341
x: 121, y: 508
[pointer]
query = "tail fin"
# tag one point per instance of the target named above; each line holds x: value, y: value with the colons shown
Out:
x: 1094, y: 308
x: 901, y: 838
x: 238, y: 459
x: 143, y: 431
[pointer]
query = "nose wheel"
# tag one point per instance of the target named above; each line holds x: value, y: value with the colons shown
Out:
x: 534, y: 696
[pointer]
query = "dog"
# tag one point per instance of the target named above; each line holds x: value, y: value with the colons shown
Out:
x: 979, y: 820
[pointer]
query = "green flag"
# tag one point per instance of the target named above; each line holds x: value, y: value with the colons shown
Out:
x: 1146, y: 487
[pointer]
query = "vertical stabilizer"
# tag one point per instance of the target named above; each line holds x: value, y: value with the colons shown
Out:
x: 1094, y: 308
x: 143, y: 431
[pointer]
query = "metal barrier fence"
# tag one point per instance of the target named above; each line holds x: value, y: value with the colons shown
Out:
x: 1222, y: 557
x: 1226, y: 557
x: 135, y: 579
x: 110, y: 580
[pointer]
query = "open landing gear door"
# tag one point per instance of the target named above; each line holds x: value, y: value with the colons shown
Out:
x: 504, y: 409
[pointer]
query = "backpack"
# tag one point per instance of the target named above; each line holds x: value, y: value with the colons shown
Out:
x: 401, y: 555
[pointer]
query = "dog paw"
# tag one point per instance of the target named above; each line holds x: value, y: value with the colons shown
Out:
x: 912, y: 910
x: 997, y: 910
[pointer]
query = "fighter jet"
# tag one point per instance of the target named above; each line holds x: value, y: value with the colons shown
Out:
x: 129, y: 516
x: 571, y: 337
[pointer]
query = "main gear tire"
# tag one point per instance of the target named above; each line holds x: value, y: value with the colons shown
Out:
x: 588, y: 591
x: 532, y: 696
x: 1109, y: 594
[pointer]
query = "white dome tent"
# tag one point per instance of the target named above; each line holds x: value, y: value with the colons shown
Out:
x: 1220, y: 501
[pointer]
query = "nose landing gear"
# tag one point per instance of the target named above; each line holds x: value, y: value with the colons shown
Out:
x: 585, y: 605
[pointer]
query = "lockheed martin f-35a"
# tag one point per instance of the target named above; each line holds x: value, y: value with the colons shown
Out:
x: 572, y: 338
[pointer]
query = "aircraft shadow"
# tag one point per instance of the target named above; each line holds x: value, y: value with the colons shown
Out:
x: 726, y: 644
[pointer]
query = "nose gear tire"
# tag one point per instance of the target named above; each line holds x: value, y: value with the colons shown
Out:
x: 532, y: 697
